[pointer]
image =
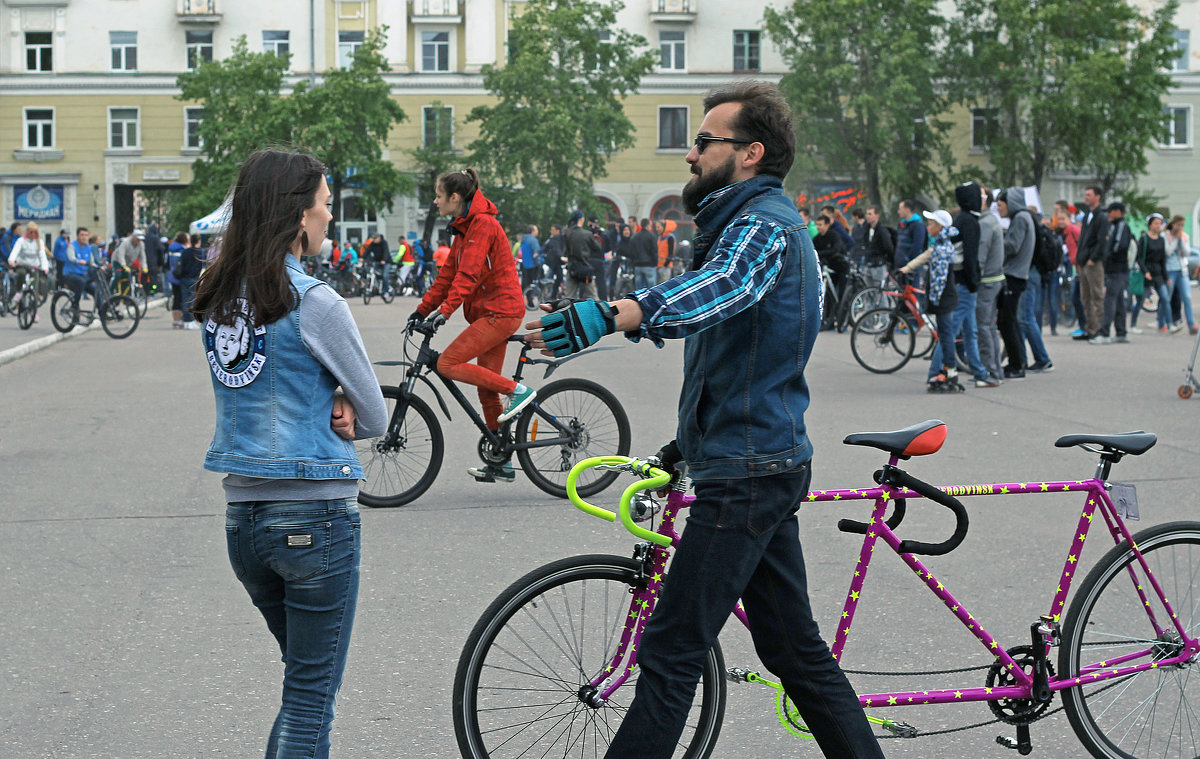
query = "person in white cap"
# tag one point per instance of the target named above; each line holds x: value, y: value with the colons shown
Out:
x: 943, y: 298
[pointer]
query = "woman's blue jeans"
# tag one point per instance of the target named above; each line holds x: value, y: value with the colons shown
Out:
x: 299, y: 560
x: 742, y: 541
x: 1179, y: 283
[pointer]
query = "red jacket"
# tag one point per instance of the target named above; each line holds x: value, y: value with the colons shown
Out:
x: 479, y: 274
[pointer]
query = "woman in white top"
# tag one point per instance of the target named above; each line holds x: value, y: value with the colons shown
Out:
x: 1178, y: 246
x: 28, y: 253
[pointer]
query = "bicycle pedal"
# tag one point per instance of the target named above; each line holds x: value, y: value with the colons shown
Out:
x: 739, y: 674
x: 900, y: 729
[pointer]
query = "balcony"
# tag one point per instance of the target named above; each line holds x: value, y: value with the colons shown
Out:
x: 198, y: 12
x: 674, y: 10
x: 436, y: 11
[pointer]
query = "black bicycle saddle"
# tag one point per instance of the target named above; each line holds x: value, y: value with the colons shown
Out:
x: 1125, y: 442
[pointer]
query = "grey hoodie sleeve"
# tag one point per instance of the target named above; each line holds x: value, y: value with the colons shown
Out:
x: 1018, y: 246
x: 329, y: 331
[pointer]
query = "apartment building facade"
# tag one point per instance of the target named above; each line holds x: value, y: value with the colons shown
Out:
x: 94, y: 131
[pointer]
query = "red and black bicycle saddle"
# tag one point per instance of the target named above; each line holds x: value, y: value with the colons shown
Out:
x: 920, y: 439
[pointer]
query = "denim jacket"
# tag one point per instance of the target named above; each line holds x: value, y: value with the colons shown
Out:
x: 274, y: 399
x: 741, y: 409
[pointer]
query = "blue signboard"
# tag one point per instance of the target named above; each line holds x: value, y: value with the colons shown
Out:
x: 37, y: 202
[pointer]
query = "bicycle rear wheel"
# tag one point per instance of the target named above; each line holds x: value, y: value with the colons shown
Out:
x: 882, y: 341
x: 62, y: 311
x: 587, y: 420
x: 120, y: 316
x: 518, y: 689
x: 1153, y: 712
x: 401, y: 465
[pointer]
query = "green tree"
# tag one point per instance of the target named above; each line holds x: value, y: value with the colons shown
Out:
x: 435, y: 156
x: 1074, y: 85
x: 559, y: 118
x: 346, y: 119
x: 865, y: 83
x: 243, y: 111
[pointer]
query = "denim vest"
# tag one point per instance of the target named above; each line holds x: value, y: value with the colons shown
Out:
x: 741, y: 410
x: 274, y: 399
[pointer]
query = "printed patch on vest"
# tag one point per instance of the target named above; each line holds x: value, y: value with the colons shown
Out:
x: 237, y: 353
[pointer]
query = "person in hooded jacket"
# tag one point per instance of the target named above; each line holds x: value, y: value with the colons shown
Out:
x: 1018, y: 255
x: 943, y: 299
x: 991, y: 282
x: 480, y: 275
x: 967, y: 272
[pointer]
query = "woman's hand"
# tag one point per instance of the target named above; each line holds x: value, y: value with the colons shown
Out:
x: 342, y: 419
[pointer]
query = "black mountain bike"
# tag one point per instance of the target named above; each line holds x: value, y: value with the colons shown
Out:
x: 119, y: 317
x: 570, y: 420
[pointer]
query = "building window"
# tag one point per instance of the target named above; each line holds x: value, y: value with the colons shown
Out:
x: 199, y: 47
x: 124, y: 50
x: 1182, y: 44
x: 435, y: 51
x: 39, y: 128
x: 671, y: 44
x: 39, y: 54
x: 275, y: 42
x: 348, y: 44
x: 192, y: 116
x: 437, y: 126
x: 123, y: 128
x: 1177, y: 126
x: 673, y: 127
x: 745, y: 50
x: 983, y: 127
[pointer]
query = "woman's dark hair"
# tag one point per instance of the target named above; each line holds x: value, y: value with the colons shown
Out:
x: 181, y: 238
x: 273, y: 190
x: 764, y: 117
x: 464, y: 183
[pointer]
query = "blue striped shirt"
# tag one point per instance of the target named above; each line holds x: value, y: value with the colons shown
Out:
x: 740, y: 269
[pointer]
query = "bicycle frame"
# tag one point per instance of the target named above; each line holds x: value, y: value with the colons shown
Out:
x: 426, y: 364
x: 908, y: 299
x: 656, y: 550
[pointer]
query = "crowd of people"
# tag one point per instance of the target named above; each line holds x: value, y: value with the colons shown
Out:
x: 992, y: 274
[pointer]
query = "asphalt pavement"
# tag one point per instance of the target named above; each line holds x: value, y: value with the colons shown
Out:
x: 126, y: 635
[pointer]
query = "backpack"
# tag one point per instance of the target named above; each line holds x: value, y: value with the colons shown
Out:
x: 1047, y: 251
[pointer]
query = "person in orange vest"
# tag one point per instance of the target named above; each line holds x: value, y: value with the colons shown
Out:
x: 665, y: 228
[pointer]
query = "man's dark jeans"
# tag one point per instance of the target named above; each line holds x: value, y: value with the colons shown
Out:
x: 742, y: 541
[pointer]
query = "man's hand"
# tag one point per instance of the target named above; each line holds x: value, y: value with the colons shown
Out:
x: 414, y: 319
x: 575, y: 327
x: 342, y: 420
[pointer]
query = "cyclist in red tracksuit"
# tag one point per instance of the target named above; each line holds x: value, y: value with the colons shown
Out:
x: 479, y: 275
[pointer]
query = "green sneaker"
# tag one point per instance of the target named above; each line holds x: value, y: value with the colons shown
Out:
x: 516, y: 402
x: 491, y: 472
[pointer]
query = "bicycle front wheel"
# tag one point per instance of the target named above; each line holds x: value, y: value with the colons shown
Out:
x: 882, y: 341
x: 62, y: 311
x: 585, y: 420
x: 401, y: 465
x: 530, y: 659
x: 120, y: 316
x: 1114, y: 615
x: 27, y: 309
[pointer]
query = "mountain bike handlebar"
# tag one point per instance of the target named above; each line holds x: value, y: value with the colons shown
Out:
x: 655, y: 478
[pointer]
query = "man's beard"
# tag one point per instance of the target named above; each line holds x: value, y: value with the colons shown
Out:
x: 703, y: 185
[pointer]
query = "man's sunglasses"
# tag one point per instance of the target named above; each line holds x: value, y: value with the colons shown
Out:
x: 702, y: 140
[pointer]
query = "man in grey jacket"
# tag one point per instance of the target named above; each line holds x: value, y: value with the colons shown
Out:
x: 991, y: 281
x: 1018, y: 255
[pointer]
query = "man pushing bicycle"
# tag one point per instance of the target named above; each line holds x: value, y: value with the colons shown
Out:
x: 749, y: 312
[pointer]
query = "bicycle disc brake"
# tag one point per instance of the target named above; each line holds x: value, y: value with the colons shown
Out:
x: 1016, y: 711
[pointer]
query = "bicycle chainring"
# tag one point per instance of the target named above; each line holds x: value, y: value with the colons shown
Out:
x: 1016, y: 711
x: 489, y: 454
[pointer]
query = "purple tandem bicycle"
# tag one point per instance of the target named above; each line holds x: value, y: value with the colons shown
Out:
x: 548, y: 668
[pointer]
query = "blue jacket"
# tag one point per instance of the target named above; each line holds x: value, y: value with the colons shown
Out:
x: 531, y: 251
x: 60, y: 248
x: 911, y: 241
x: 274, y: 400
x: 83, y: 254
x: 741, y: 409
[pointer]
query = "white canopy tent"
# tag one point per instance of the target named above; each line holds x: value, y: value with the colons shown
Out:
x: 214, y: 223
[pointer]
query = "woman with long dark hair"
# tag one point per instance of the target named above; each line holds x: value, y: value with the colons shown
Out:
x: 279, y: 345
x: 481, y: 276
